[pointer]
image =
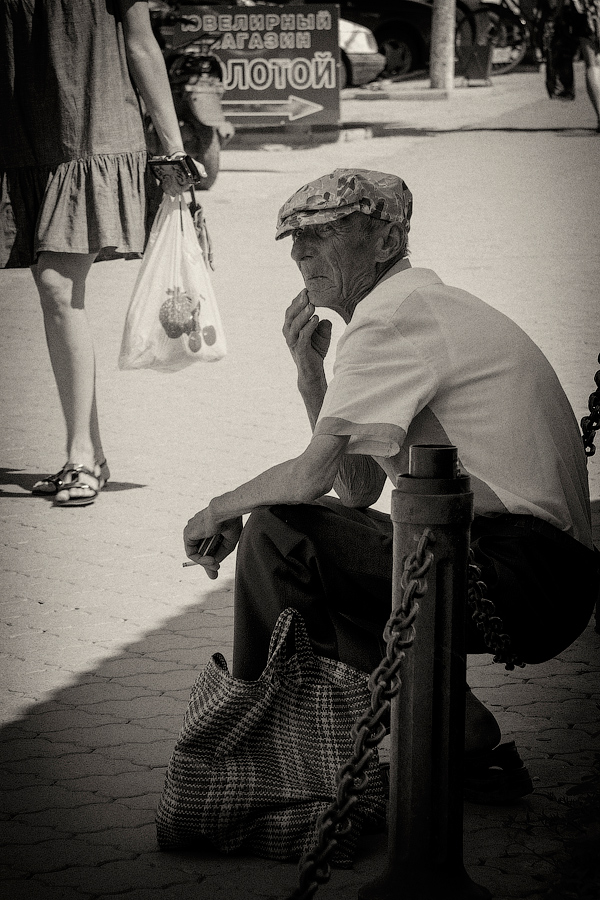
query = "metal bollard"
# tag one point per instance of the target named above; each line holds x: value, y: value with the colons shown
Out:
x: 425, y: 852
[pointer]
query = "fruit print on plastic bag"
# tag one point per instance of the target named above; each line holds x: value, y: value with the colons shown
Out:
x: 178, y: 315
x: 173, y: 319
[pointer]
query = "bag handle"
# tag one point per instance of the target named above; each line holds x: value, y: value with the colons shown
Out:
x: 289, y: 622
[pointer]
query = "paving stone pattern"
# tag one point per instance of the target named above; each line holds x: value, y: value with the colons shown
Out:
x: 104, y: 632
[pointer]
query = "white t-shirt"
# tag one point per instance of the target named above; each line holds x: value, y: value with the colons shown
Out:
x: 424, y: 363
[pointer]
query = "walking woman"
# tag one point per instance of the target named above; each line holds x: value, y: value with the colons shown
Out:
x: 72, y: 169
x: 588, y: 31
x: 570, y: 26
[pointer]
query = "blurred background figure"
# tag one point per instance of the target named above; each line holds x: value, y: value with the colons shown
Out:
x: 72, y: 170
x: 570, y: 26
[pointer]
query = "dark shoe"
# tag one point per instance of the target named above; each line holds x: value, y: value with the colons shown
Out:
x: 497, y: 776
x: 494, y: 777
x: 52, y: 484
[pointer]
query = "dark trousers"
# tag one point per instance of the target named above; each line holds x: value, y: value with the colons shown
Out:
x: 334, y: 565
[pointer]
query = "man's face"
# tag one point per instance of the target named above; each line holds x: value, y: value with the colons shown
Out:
x: 337, y: 262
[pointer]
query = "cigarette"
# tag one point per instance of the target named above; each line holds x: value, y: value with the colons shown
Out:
x: 188, y: 563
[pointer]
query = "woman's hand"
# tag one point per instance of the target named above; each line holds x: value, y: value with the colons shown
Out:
x: 176, y: 179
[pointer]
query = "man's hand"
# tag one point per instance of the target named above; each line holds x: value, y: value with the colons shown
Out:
x: 201, y: 526
x: 307, y: 337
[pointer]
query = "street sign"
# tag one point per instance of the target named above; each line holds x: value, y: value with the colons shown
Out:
x: 291, y: 109
x: 280, y: 64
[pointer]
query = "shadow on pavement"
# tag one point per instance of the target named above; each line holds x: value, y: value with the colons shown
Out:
x: 558, y: 129
x: 390, y: 129
x: 82, y: 773
x: 26, y: 481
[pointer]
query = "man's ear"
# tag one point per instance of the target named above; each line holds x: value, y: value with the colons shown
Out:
x: 389, y: 243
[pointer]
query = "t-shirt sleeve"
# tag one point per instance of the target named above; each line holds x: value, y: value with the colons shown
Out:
x: 380, y: 383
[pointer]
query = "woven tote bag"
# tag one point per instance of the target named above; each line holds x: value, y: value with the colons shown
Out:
x: 255, y: 762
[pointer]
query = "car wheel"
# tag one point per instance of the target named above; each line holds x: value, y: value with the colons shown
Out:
x: 399, y: 53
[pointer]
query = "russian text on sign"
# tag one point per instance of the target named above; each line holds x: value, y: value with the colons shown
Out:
x: 226, y: 22
x: 298, y: 72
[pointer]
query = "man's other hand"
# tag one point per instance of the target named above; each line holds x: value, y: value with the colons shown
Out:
x: 201, y: 526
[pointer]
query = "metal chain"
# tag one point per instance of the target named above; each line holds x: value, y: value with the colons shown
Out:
x: 484, y: 616
x: 590, y: 424
x: 369, y: 729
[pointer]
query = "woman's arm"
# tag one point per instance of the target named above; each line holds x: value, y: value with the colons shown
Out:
x: 149, y: 73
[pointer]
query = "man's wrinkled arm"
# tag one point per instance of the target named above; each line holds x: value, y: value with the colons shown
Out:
x: 300, y: 480
x: 359, y: 480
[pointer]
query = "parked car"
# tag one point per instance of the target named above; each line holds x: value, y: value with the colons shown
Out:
x: 402, y: 29
x: 361, y: 60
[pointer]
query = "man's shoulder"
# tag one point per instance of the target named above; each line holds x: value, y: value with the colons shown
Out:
x: 394, y: 288
x: 399, y: 290
x: 403, y: 281
x: 416, y: 303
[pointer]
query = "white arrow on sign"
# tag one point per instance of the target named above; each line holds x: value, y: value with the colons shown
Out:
x: 293, y: 108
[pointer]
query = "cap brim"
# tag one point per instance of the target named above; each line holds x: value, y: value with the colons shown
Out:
x: 300, y: 218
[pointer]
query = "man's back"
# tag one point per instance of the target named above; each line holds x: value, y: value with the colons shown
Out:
x: 442, y: 366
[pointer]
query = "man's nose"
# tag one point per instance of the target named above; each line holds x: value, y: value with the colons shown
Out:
x: 300, y: 247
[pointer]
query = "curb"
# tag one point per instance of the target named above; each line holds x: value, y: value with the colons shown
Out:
x: 422, y: 94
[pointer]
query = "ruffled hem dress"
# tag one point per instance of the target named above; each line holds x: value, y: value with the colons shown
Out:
x: 72, y: 146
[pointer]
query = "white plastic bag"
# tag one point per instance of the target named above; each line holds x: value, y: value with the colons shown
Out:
x: 173, y: 319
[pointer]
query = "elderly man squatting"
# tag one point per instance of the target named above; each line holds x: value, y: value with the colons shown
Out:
x: 418, y: 362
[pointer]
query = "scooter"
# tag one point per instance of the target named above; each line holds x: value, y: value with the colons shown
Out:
x: 196, y: 78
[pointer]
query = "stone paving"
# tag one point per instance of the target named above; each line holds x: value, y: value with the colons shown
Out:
x: 103, y: 632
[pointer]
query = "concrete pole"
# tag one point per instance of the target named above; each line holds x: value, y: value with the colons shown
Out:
x: 425, y: 835
x: 441, y: 59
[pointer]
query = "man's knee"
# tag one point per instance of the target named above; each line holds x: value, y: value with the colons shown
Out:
x: 262, y: 523
x: 267, y: 535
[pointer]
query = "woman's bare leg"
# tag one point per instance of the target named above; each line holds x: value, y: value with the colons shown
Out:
x: 60, y: 279
x: 592, y: 73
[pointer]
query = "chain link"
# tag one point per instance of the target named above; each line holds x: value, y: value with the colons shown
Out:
x: 590, y: 424
x: 370, y: 729
x: 484, y: 615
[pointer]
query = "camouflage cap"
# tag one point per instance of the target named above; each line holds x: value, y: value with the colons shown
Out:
x: 345, y: 191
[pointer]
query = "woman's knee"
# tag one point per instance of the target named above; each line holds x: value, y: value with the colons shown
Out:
x: 60, y: 279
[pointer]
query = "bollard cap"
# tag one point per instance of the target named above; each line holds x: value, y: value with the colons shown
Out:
x: 433, y: 461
